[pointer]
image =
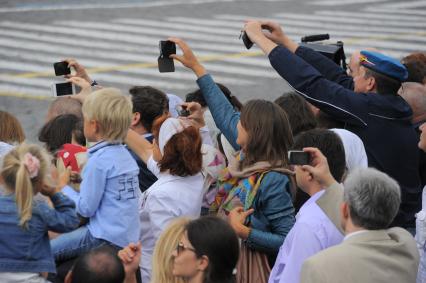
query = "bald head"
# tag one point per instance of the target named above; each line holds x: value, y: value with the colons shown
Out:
x: 64, y: 105
x: 415, y: 95
x: 99, y: 265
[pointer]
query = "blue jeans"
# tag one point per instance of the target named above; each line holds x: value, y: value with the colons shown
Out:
x: 73, y: 244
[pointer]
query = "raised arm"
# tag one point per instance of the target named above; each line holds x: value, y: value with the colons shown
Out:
x: 329, y: 69
x: 63, y: 218
x: 139, y: 145
x: 332, y: 98
x: 222, y: 111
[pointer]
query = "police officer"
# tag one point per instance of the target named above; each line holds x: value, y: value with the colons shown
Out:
x: 367, y: 102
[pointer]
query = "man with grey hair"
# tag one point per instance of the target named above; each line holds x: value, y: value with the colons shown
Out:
x: 369, y: 252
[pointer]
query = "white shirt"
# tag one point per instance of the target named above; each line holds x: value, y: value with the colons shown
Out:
x: 355, y: 154
x: 350, y: 235
x: 168, y: 198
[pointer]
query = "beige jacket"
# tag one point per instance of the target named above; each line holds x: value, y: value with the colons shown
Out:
x: 379, y: 256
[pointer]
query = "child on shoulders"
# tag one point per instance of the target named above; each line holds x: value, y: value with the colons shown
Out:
x: 109, y: 192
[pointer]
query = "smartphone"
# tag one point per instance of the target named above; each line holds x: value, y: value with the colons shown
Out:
x: 298, y: 157
x: 167, y: 48
x: 60, y: 89
x: 61, y: 68
x: 166, y: 64
x: 246, y: 40
x: 182, y: 111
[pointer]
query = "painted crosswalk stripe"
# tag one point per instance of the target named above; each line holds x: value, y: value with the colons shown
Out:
x: 370, y: 15
x: 179, y: 75
x: 62, y: 51
x: 158, y: 32
x: 39, y: 82
x: 344, y: 2
x: 294, y: 29
x: 405, y: 4
x: 115, y: 36
x: 325, y: 26
x: 109, y: 78
x: 6, y: 88
x: 396, y: 11
x: 347, y: 20
x: 173, y: 26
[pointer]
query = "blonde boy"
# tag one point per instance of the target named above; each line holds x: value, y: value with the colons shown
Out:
x: 109, y: 192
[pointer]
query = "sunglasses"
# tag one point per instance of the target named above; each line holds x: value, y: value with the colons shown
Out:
x: 181, y: 247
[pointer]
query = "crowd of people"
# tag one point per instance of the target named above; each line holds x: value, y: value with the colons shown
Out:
x: 147, y: 187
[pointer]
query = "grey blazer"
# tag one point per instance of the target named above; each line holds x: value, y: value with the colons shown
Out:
x: 379, y: 256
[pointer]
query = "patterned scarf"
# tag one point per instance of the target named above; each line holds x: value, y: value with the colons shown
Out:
x: 243, y: 184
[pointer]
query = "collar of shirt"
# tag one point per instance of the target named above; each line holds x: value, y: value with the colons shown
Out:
x: 147, y: 135
x: 354, y: 234
x: 312, y: 199
x: 97, y: 146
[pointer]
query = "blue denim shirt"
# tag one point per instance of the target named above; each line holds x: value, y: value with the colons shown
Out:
x: 273, y: 215
x: 109, y: 194
x: 28, y: 250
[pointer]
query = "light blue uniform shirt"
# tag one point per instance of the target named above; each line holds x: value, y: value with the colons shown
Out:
x: 312, y: 233
x: 109, y: 194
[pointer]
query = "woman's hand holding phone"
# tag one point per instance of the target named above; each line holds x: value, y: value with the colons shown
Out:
x: 188, y: 59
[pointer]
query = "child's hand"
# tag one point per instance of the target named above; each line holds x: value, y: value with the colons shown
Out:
x: 62, y: 180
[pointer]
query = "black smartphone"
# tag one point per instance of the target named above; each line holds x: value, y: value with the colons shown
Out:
x: 60, y: 89
x: 182, y: 111
x: 61, y: 68
x: 166, y: 64
x: 298, y: 157
x: 167, y: 48
x: 246, y: 40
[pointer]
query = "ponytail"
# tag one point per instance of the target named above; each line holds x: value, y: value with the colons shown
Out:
x: 24, y: 195
x: 24, y: 169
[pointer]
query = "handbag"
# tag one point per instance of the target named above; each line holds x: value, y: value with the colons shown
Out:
x: 252, y: 266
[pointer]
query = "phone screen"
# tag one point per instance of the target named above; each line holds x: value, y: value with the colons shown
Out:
x: 63, y: 89
x: 61, y: 68
x: 298, y: 157
x: 167, y: 48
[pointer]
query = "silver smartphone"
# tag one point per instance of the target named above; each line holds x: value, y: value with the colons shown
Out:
x: 60, y: 89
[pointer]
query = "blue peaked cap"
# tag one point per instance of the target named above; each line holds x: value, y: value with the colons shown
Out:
x: 384, y: 65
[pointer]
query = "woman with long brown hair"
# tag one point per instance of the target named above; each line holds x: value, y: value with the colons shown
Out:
x: 255, y: 191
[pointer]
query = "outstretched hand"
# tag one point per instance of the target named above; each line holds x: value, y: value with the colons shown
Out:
x: 318, y: 167
x: 85, y: 86
x: 80, y: 71
x: 267, y: 35
x: 274, y: 31
x: 61, y: 181
x: 188, y: 59
x: 253, y: 30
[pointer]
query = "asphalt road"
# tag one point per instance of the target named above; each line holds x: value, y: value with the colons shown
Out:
x: 117, y: 42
